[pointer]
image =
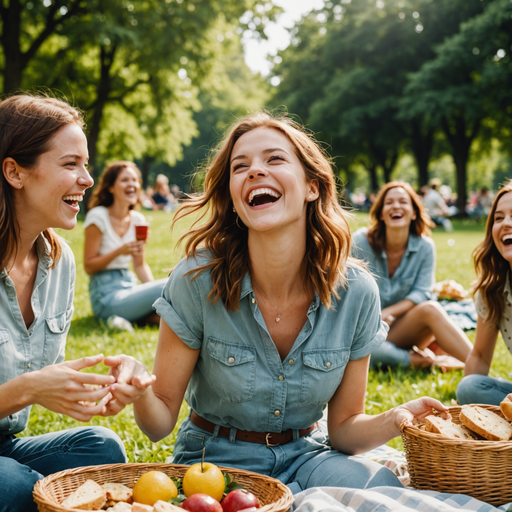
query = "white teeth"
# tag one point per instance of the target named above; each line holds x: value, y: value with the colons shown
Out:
x: 73, y: 198
x: 261, y: 191
x: 507, y: 237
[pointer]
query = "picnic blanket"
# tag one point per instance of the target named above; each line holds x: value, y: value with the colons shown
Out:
x: 384, y: 499
x: 462, y: 312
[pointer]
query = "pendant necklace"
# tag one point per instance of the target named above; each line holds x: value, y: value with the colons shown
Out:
x: 278, y: 318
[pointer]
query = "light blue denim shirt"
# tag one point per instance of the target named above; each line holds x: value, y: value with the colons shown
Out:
x: 239, y: 380
x: 29, y: 349
x: 414, y: 278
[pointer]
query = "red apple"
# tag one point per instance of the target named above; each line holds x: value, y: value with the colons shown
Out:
x: 201, y: 503
x: 238, y: 500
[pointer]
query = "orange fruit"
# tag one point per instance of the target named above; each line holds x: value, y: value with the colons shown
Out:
x: 153, y: 486
x: 207, y: 480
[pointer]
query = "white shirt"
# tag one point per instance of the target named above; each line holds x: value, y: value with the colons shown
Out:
x: 434, y: 203
x: 110, y: 241
x: 506, y: 319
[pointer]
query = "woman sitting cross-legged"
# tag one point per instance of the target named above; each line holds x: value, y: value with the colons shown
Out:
x: 111, y: 245
x: 493, y: 302
x: 401, y: 255
x: 267, y: 322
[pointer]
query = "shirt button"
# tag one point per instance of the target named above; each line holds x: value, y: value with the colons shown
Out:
x: 291, y: 361
x: 28, y: 365
x: 31, y: 331
x: 231, y: 360
x: 254, y: 301
x: 62, y: 326
x: 277, y: 412
x: 281, y: 377
x: 328, y: 364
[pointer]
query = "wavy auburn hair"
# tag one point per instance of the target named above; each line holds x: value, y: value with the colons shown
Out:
x: 491, y: 267
x: 101, y: 195
x: 328, y: 236
x: 27, y: 126
x: 377, y: 228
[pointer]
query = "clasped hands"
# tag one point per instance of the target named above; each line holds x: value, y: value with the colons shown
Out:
x: 84, y: 395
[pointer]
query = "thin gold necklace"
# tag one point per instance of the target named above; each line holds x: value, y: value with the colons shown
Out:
x: 278, y: 318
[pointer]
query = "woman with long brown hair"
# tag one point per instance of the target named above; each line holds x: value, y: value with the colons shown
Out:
x: 111, y: 244
x: 267, y: 321
x: 400, y: 253
x: 493, y: 301
x: 43, y: 152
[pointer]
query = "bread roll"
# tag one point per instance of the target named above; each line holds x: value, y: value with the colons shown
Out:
x: 506, y: 409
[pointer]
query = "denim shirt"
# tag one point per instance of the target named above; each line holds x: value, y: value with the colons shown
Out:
x: 239, y: 380
x: 29, y: 349
x: 414, y: 278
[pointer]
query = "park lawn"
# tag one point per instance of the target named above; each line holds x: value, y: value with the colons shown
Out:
x: 386, y: 389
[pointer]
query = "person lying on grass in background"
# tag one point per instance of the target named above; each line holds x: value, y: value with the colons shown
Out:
x: 44, y: 156
x: 493, y: 302
x: 111, y: 245
x: 267, y: 321
x: 401, y: 255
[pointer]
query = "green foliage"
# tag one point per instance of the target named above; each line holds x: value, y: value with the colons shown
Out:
x: 385, y: 389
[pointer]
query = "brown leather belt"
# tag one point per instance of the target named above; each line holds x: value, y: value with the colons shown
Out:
x: 268, y: 438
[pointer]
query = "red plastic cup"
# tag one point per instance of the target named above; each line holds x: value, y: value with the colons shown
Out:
x: 141, y: 232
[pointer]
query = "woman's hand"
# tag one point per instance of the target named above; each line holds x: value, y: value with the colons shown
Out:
x: 388, y: 317
x: 416, y: 410
x: 133, y: 248
x: 131, y: 381
x: 62, y: 388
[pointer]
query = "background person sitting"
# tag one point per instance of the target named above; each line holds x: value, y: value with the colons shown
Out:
x: 401, y: 255
x: 111, y: 245
x: 436, y: 206
x: 162, y: 196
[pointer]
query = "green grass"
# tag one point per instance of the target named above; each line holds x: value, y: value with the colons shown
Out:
x: 385, y: 389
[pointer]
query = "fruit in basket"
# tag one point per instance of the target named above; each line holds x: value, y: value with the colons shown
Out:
x: 239, y: 499
x: 205, y: 478
x: 153, y: 486
x: 201, y: 502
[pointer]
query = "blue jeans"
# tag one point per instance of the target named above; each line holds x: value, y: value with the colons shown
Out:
x: 24, y: 460
x: 302, y: 463
x: 482, y: 389
x: 388, y: 354
x: 116, y: 292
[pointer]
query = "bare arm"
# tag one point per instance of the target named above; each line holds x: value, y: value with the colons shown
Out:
x: 93, y: 261
x: 141, y: 268
x: 391, y: 313
x: 351, y: 431
x: 156, y: 412
x: 480, y: 358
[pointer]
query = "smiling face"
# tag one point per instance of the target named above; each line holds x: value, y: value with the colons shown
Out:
x: 268, y: 184
x: 126, y: 187
x: 50, y: 193
x: 397, y: 210
x: 502, y: 226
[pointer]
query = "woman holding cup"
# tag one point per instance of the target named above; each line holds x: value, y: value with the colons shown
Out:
x: 115, y: 235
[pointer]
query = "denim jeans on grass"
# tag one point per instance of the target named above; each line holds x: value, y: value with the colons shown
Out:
x: 388, y: 354
x: 116, y: 292
x: 303, y: 463
x: 25, y: 460
x: 482, y: 389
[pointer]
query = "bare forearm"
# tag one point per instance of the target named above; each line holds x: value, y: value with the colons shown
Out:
x: 153, y: 416
x: 476, y: 365
x: 100, y: 262
x: 400, y: 308
x: 144, y: 273
x: 16, y: 394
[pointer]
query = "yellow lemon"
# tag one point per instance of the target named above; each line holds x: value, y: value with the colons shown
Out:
x: 207, y: 479
x: 153, y: 486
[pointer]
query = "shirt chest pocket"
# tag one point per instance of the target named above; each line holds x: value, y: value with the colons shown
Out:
x: 231, y: 370
x: 7, y: 359
x: 54, y: 339
x: 404, y: 286
x: 323, y: 371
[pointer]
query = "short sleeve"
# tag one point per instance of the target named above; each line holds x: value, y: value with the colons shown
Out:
x: 180, y: 306
x: 371, y: 331
x: 96, y: 216
x: 480, y: 306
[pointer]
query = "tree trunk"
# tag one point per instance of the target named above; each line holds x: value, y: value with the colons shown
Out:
x: 10, y: 39
x: 389, y: 164
x: 146, y: 166
x: 461, y: 136
x: 371, y: 167
x: 422, y: 144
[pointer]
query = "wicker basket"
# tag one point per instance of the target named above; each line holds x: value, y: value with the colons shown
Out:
x: 481, y: 469
x: 49, y: 492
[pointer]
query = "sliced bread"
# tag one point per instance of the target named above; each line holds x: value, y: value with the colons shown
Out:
x: 140, y: 507
x: 163, y: 506
x: 506, y: 409
x: 89, y: 496
x: 120, y: 506
x: 117, y: 492
x: 485, y: 422
x: 447, y: 428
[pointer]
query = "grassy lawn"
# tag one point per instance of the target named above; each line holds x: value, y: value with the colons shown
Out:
x: 385, y: 389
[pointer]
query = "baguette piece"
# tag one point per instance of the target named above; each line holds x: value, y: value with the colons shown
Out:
x: 117, y: 492
x: 140, y: 507
x: 506, y: 409
x: 163, y: 506
x: 89, y: 496
x: 447, y: 428
x: 120, y: 506
x: 486, y: 423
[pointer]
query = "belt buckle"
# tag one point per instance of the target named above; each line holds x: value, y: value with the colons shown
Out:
x: 269, y: 445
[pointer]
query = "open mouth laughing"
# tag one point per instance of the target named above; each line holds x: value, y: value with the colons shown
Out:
x: 260, y: 196
x: 507, y: 239
x: 73, y: 200
x: 396, y: 215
